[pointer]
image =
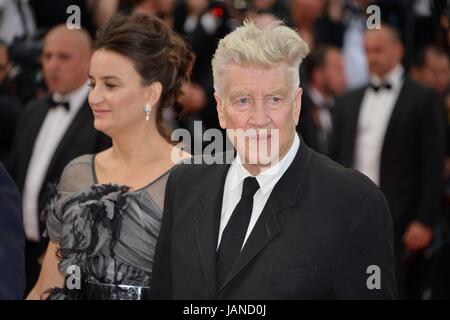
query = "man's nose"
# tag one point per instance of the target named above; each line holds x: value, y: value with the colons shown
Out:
x: 52, y: 63
x: 259, y: 116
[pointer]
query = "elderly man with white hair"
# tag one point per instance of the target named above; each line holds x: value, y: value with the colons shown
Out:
x: 278, y: 221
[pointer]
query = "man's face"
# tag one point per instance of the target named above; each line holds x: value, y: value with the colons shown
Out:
x: 334, y: 77
x: 436, y: 72
x: 65, y: 61
x: 257, y: 100
x: 382, y: 51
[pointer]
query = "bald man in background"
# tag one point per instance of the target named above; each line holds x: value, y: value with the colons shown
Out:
x: 392, y: 131
x: 52, y: 131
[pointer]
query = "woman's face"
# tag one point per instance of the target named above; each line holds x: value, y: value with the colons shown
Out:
x: 117, y: 97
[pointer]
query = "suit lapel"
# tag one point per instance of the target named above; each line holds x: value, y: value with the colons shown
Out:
x: 83, y: 117
x: 207, y: 226
x: 38, y: 116
x: 355, y: 107
x: 284, y: 195
x: 403, y: 101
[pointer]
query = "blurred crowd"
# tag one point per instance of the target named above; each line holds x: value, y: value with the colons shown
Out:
x: 405, y: 68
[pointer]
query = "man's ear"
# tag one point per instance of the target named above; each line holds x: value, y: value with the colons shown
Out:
x: 220, y: 111
x: 400, y: 51
x: 86, y: 64
x: 154, y: 93
x: 298, y: 104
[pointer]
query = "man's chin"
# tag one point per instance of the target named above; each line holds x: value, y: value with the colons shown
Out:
x: 259, y: 160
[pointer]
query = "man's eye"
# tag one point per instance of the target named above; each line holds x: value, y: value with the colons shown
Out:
x: 243, y: 101
x: 46, y: 57
x: 276, y: 99
x: 91, y: 85
x: 110, y: 85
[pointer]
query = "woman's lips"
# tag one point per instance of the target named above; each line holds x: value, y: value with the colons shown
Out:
x: 101, y: 112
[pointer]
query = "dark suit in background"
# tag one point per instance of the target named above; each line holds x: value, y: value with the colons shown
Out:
x: 310, y: 127
x: 326, y: 80
x: 80, y: 138
x: 321, y: 228
x: 307, y: 126
x: 412, y: 153
x: 411, y: 158
x: 12, y: 240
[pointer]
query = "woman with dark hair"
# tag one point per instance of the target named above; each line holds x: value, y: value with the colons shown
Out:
x: 104, y: 221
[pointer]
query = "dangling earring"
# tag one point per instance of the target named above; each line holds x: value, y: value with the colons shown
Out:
x: 147, y: 110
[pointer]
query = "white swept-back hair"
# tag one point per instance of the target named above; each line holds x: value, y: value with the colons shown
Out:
x: 265, y: 46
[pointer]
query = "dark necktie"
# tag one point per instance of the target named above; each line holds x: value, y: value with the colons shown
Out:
x: 55, y: 104
x: 234, y: 233
x: 377, y: 88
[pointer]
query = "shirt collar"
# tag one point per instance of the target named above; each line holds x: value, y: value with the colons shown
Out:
x: 76, y: 98
x: 317, y: 98
x: 268, y: 178
x: 394, y: 77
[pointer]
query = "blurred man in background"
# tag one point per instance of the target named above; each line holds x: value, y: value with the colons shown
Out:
x: 392, y: 131
x: 432, y: 68
x: 52, y: 131
x: 326, y: 80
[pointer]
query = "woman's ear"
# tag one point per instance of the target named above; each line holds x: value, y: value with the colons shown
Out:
x: 154, y: 93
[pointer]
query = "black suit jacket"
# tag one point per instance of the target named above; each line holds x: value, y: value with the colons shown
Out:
x: 322, y: 227
x: 412, y: 153
x: 80, y: 138
x: 12, y: 240
x: 306, y: 127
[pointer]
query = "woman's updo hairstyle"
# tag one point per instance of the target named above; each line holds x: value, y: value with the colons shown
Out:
x: 158, y: 53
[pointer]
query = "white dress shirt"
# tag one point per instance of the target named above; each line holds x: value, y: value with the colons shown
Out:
x: 375, y: 113
x: 324, y: 113
x: 55, y: 125
x: 267, y: 181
